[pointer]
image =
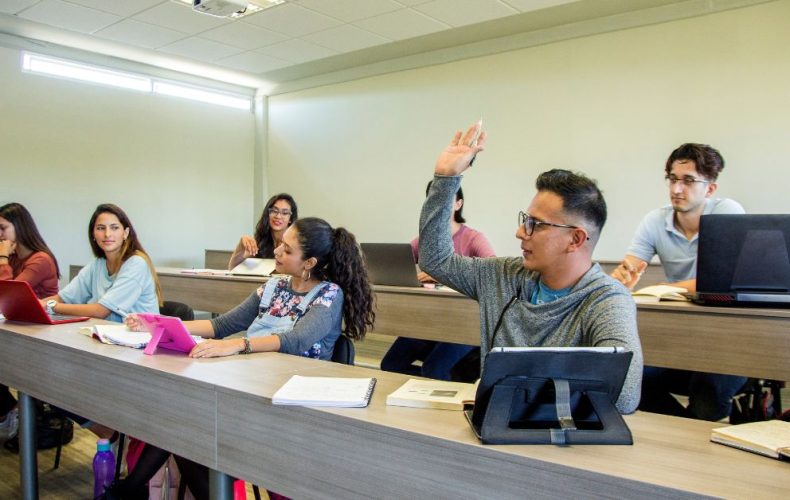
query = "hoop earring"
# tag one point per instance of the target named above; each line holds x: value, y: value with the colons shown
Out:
x: 308, y: 275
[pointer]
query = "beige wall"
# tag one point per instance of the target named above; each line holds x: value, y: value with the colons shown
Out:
x: 181, y: 170
x: 611, y: 105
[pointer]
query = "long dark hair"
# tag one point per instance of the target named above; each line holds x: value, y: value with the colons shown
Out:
x: 340, y: 260
x: 263, y: 231
x: 131, y: 245
x: 26, y: 231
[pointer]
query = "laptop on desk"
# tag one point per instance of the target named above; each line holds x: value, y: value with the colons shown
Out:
x: 391, y: 264
x: 18, y: 302
x: 254, y: 267
x: 743, y: 260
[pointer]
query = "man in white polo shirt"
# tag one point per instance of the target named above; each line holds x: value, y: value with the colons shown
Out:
x: 671, y: 232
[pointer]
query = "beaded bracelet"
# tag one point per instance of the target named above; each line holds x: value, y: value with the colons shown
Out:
x: 247, y: 347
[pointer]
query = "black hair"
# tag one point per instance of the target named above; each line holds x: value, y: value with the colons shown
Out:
x: 340, y: 260
x: 580, y: 196
x: 707, y: 160
x: 263, y: 231
x: 26, y: 231
x: 458, y: 215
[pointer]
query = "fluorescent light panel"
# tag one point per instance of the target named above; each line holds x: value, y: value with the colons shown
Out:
x: 84, y: 73
x: 202, y: 95
x: 70, y: 70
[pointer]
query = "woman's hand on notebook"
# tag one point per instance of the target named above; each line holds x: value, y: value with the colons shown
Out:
x: 212, y: 348
x: 133, y: 323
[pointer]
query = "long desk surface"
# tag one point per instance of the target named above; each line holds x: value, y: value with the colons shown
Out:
x: 752, y: 342
x: 219, y: 412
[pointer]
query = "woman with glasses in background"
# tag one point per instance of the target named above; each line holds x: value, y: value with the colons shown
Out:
x: 278, y: 215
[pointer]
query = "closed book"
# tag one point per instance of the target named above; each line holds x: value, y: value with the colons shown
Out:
x: 657, y: 293
x: 325, y: 391
x: 770, y: 438
x: 437, y: 394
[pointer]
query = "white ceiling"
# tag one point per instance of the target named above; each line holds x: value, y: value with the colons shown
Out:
x: 292, y: 33
x: 304, y: 38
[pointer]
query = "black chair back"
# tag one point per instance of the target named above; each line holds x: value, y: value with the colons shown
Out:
x: 344, y: 351
x: 177, y: 309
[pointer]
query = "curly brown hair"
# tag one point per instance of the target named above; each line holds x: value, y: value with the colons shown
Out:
x: 707, y: 160
x: 340, y: 260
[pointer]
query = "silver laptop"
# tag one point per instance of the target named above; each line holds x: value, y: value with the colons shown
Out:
x: 391, y: 264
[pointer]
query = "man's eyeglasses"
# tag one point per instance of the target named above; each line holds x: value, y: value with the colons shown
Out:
x: 275, y: 212
x: 529, y: 223
x: 687, y: 180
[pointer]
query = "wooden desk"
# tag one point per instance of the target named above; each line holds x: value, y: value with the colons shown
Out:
x: 752, y: 342
x: 219, y: 412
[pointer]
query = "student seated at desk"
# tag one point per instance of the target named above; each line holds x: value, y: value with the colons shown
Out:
x: 554, y: 295
x: 326, y: 291
x: 438, y: 358
x: 24, y: 256
x: 278, y: 215
x: 672, y: 232
x: 121, y: 279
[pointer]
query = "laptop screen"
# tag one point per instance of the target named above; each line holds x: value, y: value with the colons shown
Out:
x: 745, y: 253
x: 391, y: 264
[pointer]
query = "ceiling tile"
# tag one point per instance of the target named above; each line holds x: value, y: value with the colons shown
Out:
x: 243, y: 35
x: 292, y: 20
x: 351, y: 10
x: 401, y: 24
x: 463, y: 12
x: 201, y: 49
x: 346, y: 38
x: 297, y: 51
x: 140, y: 34
x: 530, y: 5
x: 122, y: 8
x: 69, y: 16
x: 180, y: 17
x: 14, y: 6
x: 253, y: 62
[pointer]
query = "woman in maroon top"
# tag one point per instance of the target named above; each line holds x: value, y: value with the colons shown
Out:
x: 24, y: 256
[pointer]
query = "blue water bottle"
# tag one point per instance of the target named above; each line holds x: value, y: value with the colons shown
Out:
x: 103, y: 467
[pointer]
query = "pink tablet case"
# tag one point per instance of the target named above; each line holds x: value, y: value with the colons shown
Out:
x: 167, y: 332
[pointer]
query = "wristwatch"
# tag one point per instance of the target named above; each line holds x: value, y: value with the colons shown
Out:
x: 51, y: 306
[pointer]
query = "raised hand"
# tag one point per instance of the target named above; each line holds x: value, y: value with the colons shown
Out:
x: 461, y: 151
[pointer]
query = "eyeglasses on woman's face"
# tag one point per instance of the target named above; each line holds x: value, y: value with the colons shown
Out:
x: 275, y: 212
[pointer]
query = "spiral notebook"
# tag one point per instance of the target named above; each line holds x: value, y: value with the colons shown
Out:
x: 325, y: 391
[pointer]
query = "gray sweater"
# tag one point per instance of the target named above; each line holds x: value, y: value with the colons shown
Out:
x: 598, y: 311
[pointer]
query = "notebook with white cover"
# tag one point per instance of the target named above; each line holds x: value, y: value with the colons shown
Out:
x: 325, y: 391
